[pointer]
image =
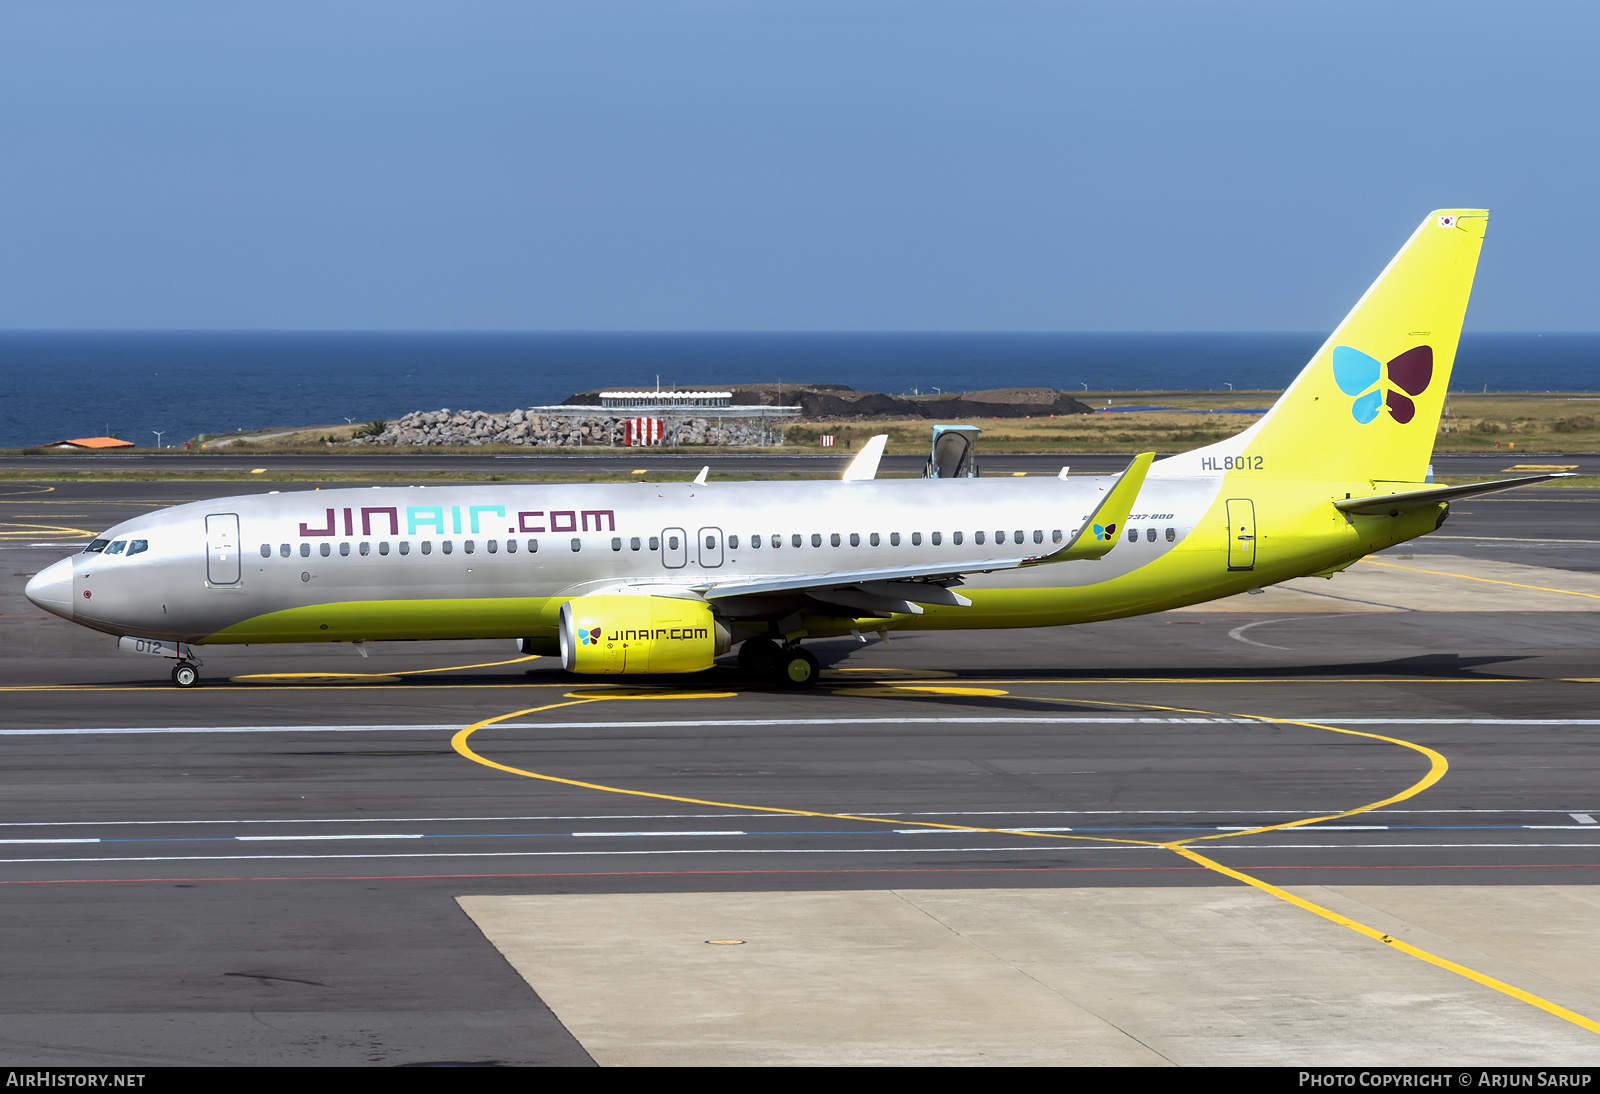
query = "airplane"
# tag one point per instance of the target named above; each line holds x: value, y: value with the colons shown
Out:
x: 662, y: 578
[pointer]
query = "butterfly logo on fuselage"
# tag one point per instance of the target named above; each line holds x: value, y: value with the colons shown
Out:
x: 1392, y: 384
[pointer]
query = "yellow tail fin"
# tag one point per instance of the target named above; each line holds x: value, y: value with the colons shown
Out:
x: 1368, y: 404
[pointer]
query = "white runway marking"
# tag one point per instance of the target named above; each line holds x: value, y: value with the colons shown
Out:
x: 553, y: 818
x: 679, y: 851
x: 363, y: 835
x: 746, y: 723
x: 726, y: 832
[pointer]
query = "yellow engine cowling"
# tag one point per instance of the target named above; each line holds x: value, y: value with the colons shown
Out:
x: 617, y: 634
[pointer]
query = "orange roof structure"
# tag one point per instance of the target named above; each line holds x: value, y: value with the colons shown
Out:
x: 90, y: 443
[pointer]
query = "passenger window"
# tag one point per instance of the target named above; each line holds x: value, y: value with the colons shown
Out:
x: 1133, y: 535
x: 493, y: 545
x: 755, y: 543
x: 405, y: 547
x: 916, y: 539
x: 283, y: 550
x: 1055, y: 536
x: 511, y: 546
x: 117, y: 547
x: 894, y: 539
x: 468, y: 546
x: 383, y: 548
x: 344, y: 548
x: 577, y: 544
x: 1038, y: 535
x: 834, y: 539
x: 1172, y: 535
x: 855, y: 539
x: 1150, y: 534
x: 733, y: 543
x: 672, y: 543
x: 794, y: 540
x: 445, y: 546
x: 873, y: 539
x: 266, y: 550
x: 616, y: 543
x: 365, y: 548
x: 938, y: 538
x: 655, y: 543
x: 324, y: 549
x: 96, y: 547
x: 633, y: 544
x: 533, y: 546
x: 427, y: 546
x: 1022, y: 537
x: 816, y: 539
x: 305, y: 550
x: 711, y: 543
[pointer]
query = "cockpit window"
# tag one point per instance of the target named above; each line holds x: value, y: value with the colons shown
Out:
x: 116, y: 548
x: 138, y: 546
x: 96, y: 547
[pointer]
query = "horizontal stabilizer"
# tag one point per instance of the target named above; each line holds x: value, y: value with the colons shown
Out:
x: 1393, y: 504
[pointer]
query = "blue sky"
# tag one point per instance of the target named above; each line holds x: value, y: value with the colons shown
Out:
x: 675, y: 165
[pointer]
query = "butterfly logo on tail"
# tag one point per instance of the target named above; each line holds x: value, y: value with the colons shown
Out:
x: 1375, y: 384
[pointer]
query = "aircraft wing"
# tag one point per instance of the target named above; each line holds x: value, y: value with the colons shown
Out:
x: 905, y: 588
x: 1392, y: 504
x: 915, y: 584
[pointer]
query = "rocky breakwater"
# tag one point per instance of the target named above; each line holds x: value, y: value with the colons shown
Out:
x: 473, y: 428
x: 836, y: 402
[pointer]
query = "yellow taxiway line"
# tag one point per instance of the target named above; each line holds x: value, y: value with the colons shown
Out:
x: 1485, y: 580
x: 1437, y: 767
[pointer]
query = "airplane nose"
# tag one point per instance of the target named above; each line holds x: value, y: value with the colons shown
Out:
x: 51, y: 588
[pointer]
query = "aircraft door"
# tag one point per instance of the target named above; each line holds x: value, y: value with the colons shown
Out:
x: 674, y: 548
x: 222, y: 548
x: 1241, y: 534
x: 709, y: 543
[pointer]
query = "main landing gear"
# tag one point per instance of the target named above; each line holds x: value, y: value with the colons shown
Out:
x: 792, y: 666
x: 185, y: 674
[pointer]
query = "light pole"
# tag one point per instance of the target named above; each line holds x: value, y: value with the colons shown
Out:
x: 158, y: 433
x: 1230, y: 386
x: 1083, y: 385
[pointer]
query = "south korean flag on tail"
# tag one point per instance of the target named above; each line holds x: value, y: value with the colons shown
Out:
x: 1447, y: 221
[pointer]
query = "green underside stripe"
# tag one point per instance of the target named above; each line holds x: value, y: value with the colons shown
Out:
x: 380, y: 620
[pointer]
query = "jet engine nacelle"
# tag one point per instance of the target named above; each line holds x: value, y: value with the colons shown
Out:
x: 615, y: 634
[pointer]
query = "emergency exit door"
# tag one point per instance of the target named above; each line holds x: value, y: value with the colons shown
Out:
x: 674, y: 548
x: 222, y: 548
x: 709, y: 542
x: 1241, y: 534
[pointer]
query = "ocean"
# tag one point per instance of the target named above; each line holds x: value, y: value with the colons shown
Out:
x: 59, y: 384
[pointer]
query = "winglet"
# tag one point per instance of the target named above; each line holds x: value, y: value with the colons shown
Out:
x: 701, y: 478
x: 865, y: 466
x: 1099, y: 532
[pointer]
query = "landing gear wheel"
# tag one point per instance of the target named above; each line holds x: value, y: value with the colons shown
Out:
x: 185, y: 675
x: 757, y: 656
x: 797, y: 668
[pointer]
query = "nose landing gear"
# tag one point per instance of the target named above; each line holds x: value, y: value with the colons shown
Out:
x: 185, y: 674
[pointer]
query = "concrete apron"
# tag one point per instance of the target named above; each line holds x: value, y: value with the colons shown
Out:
x: 1184, y: 976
